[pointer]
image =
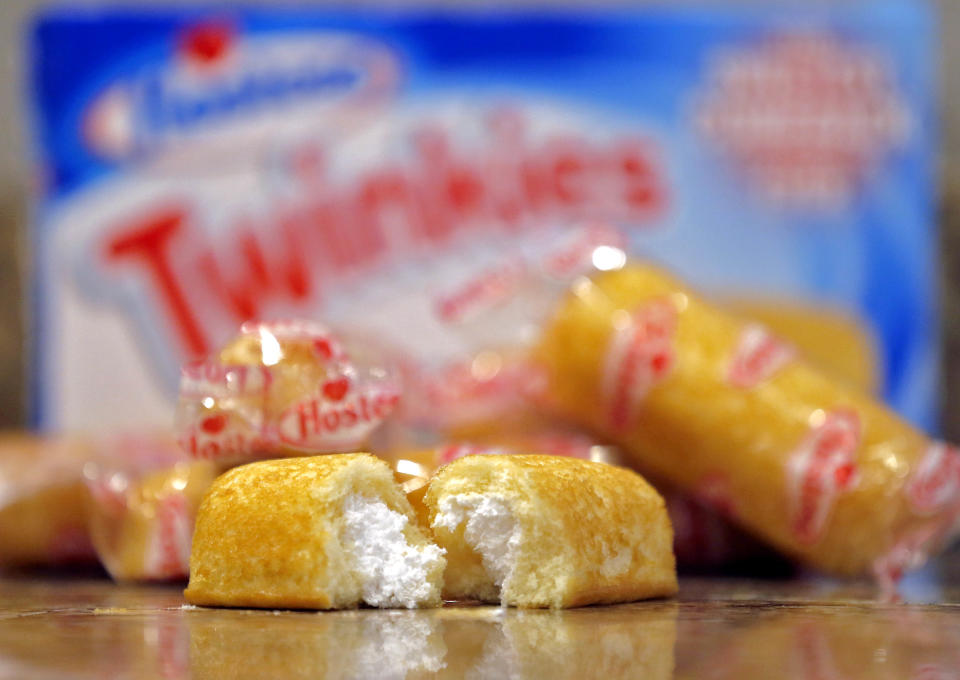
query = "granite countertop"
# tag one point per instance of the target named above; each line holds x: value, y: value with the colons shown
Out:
x: 716, y: 628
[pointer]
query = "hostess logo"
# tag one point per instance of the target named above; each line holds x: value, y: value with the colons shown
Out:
x: 219, y: 81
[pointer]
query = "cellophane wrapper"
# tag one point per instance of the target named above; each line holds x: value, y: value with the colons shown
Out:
x: 143, y: 496
x: 284, y: 388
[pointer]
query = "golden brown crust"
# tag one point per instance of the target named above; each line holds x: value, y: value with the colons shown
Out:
x: 255, y: 544
x: 591, y: 532
x: 260, y: 538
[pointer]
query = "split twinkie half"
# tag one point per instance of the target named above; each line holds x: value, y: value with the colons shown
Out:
x: 547, y: 531
x: 325, y: 532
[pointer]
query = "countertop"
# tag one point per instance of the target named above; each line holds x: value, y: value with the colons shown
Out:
x: 716, y: 628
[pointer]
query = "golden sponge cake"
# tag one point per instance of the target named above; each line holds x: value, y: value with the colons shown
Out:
x: 546, y: 531
x: 326, y: 532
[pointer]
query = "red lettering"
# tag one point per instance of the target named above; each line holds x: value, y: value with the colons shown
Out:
x: 210, y: 450
x: 387, y: 201
x: 508, y: 201
x: 148, y: 243
x: 256, y: 279
x: 295, y: 274
x: 364, y: 412
x: 464, y: 190
x: 349, y: 414
x: 756, y: 362
x: 567, y: 169
x: 331, y: 420
x: 321, y: 219
x: 332, y: 231
x: 434, y: 153
x: 335, y: 246
x: 487, y: 289
x: 383, y: 404
x: 189, y: 444
x: 309, y: 417
x: 643, y: 189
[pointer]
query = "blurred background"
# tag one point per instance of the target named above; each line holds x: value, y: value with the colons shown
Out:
x: 16, y: 183
x: 170, y: 171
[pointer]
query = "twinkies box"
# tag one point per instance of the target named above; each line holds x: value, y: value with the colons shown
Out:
x: 382, y: 169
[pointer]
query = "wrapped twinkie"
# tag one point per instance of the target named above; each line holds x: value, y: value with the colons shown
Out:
x: 42, y: 500
x: 143, y: 500
x: 727, y: 411
x: 281, y: 389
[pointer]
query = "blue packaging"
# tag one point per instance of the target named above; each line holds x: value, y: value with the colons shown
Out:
x: 201, y: 167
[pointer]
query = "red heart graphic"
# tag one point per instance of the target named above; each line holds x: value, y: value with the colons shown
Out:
x: 214, y: 424
x: 322, y: 347
x: 335, y: 390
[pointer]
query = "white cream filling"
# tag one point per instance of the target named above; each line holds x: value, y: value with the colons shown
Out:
x: 491, y: 530
x: 392, y: 572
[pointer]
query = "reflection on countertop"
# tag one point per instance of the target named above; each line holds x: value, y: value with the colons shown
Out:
x: 716, y: 629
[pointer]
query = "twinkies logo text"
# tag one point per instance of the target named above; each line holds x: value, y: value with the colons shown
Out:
x: 217, y: 77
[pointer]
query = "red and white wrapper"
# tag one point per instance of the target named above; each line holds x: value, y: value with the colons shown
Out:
x: 302, y: 393
x: 143, y: 502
